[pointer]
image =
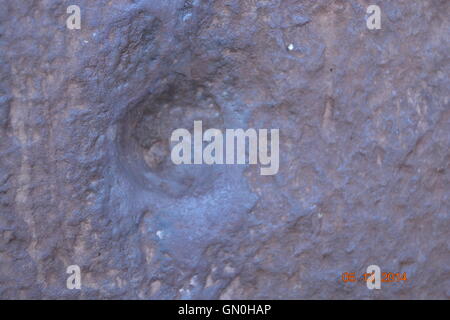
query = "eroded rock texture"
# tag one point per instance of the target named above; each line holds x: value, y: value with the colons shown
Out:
x: 85, y: 170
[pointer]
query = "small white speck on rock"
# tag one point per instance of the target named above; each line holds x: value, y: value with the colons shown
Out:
x: 290, y: 47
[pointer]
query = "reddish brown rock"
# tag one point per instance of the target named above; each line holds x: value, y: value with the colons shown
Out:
x: 85, y: 171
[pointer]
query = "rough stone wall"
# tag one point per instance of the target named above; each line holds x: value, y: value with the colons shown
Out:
x: 85, y: 170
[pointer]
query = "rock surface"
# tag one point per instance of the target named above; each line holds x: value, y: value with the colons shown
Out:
x: 85, y: 171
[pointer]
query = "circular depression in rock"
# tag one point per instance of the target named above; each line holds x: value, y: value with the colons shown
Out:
x: 144, y: 140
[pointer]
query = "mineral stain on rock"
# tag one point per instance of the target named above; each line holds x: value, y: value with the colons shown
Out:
x: 85, y: 171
